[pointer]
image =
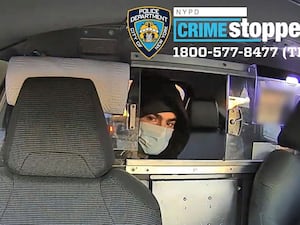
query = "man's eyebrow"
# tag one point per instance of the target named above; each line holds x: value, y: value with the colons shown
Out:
x: 157, y: 115
x: 173, y: 119
x: 169, y: 120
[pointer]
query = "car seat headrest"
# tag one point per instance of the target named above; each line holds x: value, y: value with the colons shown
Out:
x: 204, y: 114
x: 57, y: 128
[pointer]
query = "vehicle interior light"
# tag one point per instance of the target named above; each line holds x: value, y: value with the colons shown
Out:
x: 292, y: 80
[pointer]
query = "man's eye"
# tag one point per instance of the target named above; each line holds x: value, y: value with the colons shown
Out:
x: 171, y: 124
x: 152, y: 118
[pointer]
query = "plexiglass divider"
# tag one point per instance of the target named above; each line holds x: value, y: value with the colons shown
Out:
x: 257, y: 110
x: 240, y: 111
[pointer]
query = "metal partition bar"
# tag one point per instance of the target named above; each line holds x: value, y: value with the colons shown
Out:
x: 191, y: 166
x: 194, y: 64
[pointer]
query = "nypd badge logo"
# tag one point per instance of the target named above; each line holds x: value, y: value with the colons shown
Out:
x: 149, y: 28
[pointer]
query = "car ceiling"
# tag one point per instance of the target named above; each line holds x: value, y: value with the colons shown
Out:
x: 20, y: 19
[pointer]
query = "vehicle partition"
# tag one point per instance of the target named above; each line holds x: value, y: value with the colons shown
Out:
x: 223, y: 93
x: 246, y: 110
x: 209, y: 181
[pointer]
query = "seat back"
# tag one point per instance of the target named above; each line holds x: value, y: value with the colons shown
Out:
x: 275, y: 198
x: 206, y: 141
x: 58, y: 161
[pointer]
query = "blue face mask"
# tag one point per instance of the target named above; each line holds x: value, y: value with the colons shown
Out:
x: 153, y: 138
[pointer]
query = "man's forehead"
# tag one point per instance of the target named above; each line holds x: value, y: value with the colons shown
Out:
x: 167, y: 115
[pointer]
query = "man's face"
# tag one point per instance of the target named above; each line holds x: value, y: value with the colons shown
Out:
x: 271, y: 105
x: 164, y: 119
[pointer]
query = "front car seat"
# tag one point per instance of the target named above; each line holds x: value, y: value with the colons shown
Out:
x: 58, y: 161
x: 206, y: 140
x: 275, y: 198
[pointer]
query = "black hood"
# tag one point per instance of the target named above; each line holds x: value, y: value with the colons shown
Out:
x: 159, y: 94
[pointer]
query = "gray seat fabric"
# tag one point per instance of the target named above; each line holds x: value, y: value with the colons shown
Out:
x: 275, y: 198
x: 58, y: 162
x: 206, y: 141
x: 57, y: 123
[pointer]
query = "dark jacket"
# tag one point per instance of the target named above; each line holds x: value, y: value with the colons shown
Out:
x: 159, y: 94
